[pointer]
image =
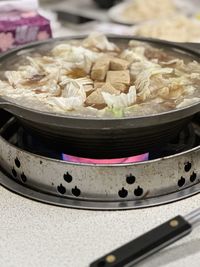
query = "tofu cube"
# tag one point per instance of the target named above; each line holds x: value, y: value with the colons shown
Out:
x: 95, y: 98
x: 118, y: 76
x: 120, y: 87
x: 100, y: 69
x: 118, y: 64
x: 98, y: 85
x: 108, y: 88
x: 88, y: 88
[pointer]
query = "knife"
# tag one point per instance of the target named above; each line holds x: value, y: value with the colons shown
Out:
x: 151, y: 242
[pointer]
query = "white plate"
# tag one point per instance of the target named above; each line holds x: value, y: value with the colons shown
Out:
x: 188, y: 7
x: 115, y: 14
x: 134, y: 29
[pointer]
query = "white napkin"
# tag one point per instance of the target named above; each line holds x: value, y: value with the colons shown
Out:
x: 22, y: 5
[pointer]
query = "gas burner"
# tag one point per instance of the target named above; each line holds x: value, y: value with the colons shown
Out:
x: 35, y: 170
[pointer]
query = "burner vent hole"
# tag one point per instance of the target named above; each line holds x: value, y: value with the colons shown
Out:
x: 23, y: 177
x: 123, y: 193
x: 67, y: 177
x: 138, y: 191
x: 61, y: 189
x: 101, y: 264
x: 130, y: 179
x: 181, y: 181
x: 193, y: 177
x: 188, y: 166
x: 14, y: 172
x: 17, y: 163
x: 76, y: 192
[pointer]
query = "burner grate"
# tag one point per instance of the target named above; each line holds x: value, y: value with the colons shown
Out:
x: 18, y: 136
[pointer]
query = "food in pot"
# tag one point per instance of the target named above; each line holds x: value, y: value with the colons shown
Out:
x: 95, y: 77
x: 177, y: 28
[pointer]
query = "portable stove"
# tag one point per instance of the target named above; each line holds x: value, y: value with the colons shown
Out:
x: 35, y: 171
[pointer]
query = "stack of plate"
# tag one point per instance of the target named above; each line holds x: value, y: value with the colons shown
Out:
x: 180, y: 24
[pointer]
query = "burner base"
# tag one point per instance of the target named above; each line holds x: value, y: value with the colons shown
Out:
x: 32, y: 194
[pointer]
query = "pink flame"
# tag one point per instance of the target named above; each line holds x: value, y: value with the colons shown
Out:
x: 133, y: 159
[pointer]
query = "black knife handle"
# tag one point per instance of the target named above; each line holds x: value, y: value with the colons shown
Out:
x: 145, y: 245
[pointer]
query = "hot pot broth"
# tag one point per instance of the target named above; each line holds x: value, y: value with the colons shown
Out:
x: 99, y: 78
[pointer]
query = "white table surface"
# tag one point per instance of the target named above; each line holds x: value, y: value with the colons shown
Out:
x: 33, y: 234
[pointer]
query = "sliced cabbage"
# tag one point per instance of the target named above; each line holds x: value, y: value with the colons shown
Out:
x: 17, y: 93
x: 5, y: 86
x: 53, y: 88
x: 134, y: 55
x: 187, y: 102
x: 73, y: 88
x: 99, y: 41
x: 178, y: 62
x: 85, y: 64
x: 36, y: 64
x: 79, y: 81
x: 191, y: 67
x: 73, y: 95
x: 14, y: 77
x: 69, y: 57
x: 73, y: 53
x: 65, y: 104
x: 139, y: 66
x: 122, y: 100
x: 143, y: 81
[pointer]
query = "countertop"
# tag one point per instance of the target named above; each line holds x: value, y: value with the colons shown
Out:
x: 35, y: 234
